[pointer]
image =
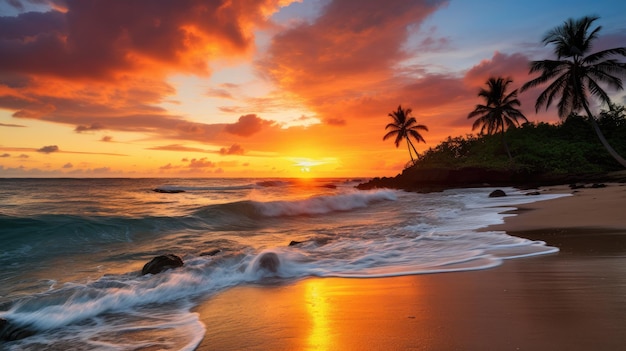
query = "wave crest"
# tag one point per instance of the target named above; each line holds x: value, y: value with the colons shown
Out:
x: 323, y: 204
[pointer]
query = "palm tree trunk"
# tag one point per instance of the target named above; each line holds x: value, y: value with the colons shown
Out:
x: 603, y: 140
x: 414, y: 149
x: 506, y: 146
x: 408, y: 143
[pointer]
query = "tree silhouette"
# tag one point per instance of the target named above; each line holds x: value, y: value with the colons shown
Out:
x: 575, y: 75
x: 404, y: 126
x: 500, y: 110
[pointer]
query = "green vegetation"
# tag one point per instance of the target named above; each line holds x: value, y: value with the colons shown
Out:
x: 500, y: 110
x: 574, y: 76
x: 537, y: 148
x: 570, y: 147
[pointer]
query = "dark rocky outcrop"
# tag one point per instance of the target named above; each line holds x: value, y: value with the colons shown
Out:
x: 438, y: 179
x: 161, y: 263
x: 10, y: 332
x: 269, y: 261
x: 294, y: 242
x: 497, y: 193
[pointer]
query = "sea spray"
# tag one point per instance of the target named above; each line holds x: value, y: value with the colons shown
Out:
x: 72, y: 271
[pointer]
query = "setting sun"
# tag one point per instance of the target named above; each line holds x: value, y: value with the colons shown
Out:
x: 312, y: 175
x: 261, y: 89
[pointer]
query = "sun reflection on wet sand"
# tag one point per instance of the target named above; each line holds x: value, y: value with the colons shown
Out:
x: 318, y: 309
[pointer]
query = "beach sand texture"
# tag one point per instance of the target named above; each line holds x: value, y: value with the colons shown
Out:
x: 573, y: 300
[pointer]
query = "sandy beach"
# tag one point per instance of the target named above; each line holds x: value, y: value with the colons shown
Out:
x: 572, y: 300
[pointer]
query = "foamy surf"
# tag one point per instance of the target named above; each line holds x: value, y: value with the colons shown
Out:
x: 97, y: 304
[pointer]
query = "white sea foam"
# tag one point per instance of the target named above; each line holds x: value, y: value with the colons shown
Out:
x: 324, y: 204
x: 345, y: 234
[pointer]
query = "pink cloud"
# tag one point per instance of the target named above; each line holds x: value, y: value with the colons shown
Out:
x: 500, y: 65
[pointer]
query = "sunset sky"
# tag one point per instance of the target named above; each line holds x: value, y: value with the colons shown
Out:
x: 257, y: 88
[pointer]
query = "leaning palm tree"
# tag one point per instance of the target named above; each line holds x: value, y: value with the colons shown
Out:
x: 404, y: 126
x: 575, y: 75
x: 500, y: 111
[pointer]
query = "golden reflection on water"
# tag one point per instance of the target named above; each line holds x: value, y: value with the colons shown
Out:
x: 318, y: 308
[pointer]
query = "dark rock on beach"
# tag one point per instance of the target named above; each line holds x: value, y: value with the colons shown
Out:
x: 576, y: 186
x: 269, y: 261
x: 168, y: 191
x: 497, y: 193
x: 10, y: 332
x: 161, y: 263
x: 211, y: 252
x: 294, y: 242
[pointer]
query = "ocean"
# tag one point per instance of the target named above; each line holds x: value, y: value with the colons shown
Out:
x: 72, y: 250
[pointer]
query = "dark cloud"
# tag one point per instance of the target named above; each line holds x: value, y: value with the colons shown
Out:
x: 94, y: 38
x: 89, y: 128
x: 5, y: 155
x: 248, y: 125
x: 16, y: 4
x: 48, y: 149
x: 107, y: 139
x: 68, y: 165
x: 11, y: 125
x: 234, y: 149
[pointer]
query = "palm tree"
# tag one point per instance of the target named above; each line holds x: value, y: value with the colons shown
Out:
x: 575, y: 75
x: 500, y: 111
x: 405, y: 127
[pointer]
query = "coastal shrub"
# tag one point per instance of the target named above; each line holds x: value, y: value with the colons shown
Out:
x: 570, y: 146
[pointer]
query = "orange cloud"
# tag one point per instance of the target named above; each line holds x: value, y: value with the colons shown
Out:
x: 97, y: 63
x: 503, y: 65
x: 234, y: 149
x: 352, y: 46
x: 247, y: 125
x: 201, y: 163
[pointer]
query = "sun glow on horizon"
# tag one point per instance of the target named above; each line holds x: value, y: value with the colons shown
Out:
x: 307, y: 166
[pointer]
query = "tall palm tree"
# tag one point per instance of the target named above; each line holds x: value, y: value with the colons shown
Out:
x: 575, y: 75
x: 404, y: 126
x: 500, y: 111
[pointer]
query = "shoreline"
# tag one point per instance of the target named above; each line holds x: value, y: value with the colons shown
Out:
x: 586, y: 208
x: 571, y: 300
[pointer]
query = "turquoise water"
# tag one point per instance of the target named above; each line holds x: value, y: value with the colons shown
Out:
x: 72, y: 249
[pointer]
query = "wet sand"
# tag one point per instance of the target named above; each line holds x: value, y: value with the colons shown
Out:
x: 573, y: 300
